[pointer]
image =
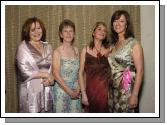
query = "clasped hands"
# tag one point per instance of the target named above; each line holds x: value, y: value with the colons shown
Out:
x: 47, y: 79
x: 74, y: 93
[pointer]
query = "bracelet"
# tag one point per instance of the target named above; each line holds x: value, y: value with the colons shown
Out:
x: 83, y: 92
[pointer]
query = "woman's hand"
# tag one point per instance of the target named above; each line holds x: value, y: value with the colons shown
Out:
x: 133, y: 101
x: 46, y: 82
x: 47, y: 79
x: 77, y: 91
x: 108, y: 51
x: 74, y: 94
x: 84, y: 98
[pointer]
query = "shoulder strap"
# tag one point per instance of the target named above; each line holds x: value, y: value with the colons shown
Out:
x: 59, y: 52
x: 76, y: 51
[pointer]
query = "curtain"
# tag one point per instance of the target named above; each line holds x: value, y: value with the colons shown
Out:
x: 84, y: 17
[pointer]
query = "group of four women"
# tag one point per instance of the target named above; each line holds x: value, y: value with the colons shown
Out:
x: 103, y: 78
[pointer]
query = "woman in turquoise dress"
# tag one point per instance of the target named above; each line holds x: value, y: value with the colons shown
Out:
x: 126, y: 61
x: 65, y: 70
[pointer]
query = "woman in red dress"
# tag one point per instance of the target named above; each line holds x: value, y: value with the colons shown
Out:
x: 94, y: 65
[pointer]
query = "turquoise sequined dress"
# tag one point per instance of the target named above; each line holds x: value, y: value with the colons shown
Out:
x: 62, y: 101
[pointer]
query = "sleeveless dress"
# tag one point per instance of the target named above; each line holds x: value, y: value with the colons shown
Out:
x: 98, y: 73
x: 62, y: 101
x: 122, y: 66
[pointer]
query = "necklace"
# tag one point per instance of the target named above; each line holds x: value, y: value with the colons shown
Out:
x: 98, y: 52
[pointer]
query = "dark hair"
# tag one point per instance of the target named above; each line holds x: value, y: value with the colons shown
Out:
x: 129, y: 30
x: 105, y: 42
x: 64, y: 24
x: 26, y: 29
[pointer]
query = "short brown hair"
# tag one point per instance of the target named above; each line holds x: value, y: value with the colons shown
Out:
x: 26, y: 29
x: 63, y: 24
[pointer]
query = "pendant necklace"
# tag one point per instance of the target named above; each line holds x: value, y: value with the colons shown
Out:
x: 98, y: 52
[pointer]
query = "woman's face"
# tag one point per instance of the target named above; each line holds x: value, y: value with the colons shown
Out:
x: 36, y: 32
x: 67, y: 34
x: 100, y: 32
x: 120, y: 25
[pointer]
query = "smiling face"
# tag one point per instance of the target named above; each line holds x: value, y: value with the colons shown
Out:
x: 100, y: 32
x: 35, y: 32
x: 67, y: 34
x: 120, y: 25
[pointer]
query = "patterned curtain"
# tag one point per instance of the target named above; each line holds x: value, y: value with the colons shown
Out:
x: 84, y: 17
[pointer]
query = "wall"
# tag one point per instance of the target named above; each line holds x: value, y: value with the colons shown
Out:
x: 147, y: 102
